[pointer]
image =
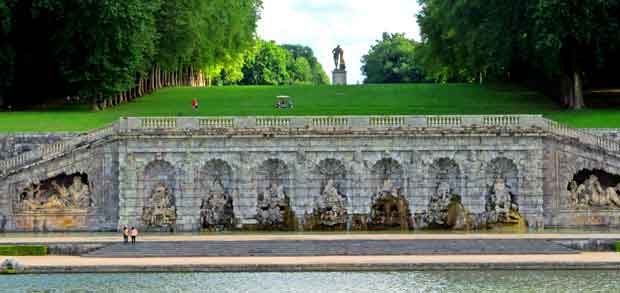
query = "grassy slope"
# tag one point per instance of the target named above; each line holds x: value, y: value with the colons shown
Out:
x: 411, y: 99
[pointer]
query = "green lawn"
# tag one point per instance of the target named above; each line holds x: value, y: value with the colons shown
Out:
x: 413, y: 99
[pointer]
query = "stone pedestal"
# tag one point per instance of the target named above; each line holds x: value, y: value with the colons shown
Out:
x: 339, y: 77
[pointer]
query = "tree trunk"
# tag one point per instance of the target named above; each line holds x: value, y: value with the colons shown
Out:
x: 573, y: 85
x: 95, y: 105
x: 572, y: 91
x: 140, y: 87
x: 158, y: 77
x: 578, y: 102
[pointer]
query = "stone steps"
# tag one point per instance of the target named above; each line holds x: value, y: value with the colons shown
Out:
x: 329, y: 248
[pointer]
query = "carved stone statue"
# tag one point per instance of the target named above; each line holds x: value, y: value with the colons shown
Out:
x: 79, y: 193
x: 592, y: 194
x: 500, y: 206
x: 613, y: 195
x: 338, y: 53
x: 439, y: 204
x: 160, y: 210
x: 500, y: 197
x: 55, y: 194
x: 331, y: 206
x: 595, y: 192
x: 271, y: 205
x: 217, y: 210
x: 389, y: 209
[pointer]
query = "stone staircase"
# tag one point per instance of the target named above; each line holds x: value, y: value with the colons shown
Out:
x: 51, y: 151
x: 585, y: 137
x: 280, y: 248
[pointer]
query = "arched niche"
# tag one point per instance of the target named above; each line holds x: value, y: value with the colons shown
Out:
x: 330, y: 206
x: 444, y: 204
x: 273, y: 210
x: 387, y: 169
x: 504, y: 169
x: 159, y: 172
x: 445, y: 170
x: 64, y: 192
x: 594, y: 188
x: 389, y: 208
x: 331, y: 170
x: 160, y: 190
x: 215, y: 185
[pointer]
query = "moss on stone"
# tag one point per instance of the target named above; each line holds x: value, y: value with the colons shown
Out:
x: 23, y: 250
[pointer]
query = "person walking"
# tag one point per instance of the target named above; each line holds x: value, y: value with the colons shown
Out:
x: 134, y: 234
x: 125, y: 235
x: 195, y: 104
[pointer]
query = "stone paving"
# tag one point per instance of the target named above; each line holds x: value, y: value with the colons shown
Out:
x: 109, y: 237
x: 75, y: 264
x: 274, y: 248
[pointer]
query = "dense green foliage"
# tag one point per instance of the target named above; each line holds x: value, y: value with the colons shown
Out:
x: 383, y: 99
x: 23, y: 250
x: 565, y: 44
x: 302, y: 55
x: 111, y: 51
x: 272, y: 64
x: 392, y: 60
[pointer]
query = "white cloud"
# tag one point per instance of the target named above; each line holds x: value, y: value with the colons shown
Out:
x: 323, y: 24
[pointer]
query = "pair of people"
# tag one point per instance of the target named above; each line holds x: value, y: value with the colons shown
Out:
x: 133, y: 233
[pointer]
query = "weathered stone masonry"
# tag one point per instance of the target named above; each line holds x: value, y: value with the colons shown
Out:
x: 284, y: 173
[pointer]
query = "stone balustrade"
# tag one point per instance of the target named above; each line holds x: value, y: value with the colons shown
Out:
x: 581, y: 135
x: 217, y: 123
x: 56, y: 149
x: 364, y: 122
x: 132, y: 124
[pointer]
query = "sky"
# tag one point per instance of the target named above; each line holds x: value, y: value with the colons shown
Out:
x: 355, y: 25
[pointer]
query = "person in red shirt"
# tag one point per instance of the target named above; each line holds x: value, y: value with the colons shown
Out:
x: 195, y: 104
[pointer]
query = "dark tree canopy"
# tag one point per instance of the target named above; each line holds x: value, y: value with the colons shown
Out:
x: 110, y: 51
x: 567, y: 45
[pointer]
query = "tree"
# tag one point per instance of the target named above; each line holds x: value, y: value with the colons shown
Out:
x: 112, y: 51
x: 301, y: 71
x: 318, y: 74
x: 565, y: 44
x: 7, y: 56
x: 391, y: 60
x: 267, y: 65
x: 272, y: 64
x: 577, y: 38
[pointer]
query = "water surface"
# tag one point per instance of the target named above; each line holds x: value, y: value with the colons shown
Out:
x: 447, y: 281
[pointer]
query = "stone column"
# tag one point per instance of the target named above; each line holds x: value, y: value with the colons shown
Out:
x: 188, y: 210
x: 531, y: 205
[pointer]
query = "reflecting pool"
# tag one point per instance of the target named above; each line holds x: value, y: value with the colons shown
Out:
x: 445, y: 281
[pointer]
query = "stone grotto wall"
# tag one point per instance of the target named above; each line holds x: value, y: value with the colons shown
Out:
x: 77, y: 192
x: 320, y: 182
x: 309, y: 179
x: 580, y: 186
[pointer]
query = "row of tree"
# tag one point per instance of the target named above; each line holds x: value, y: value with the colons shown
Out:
x: 558, y: 44
x: 110, y: 51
